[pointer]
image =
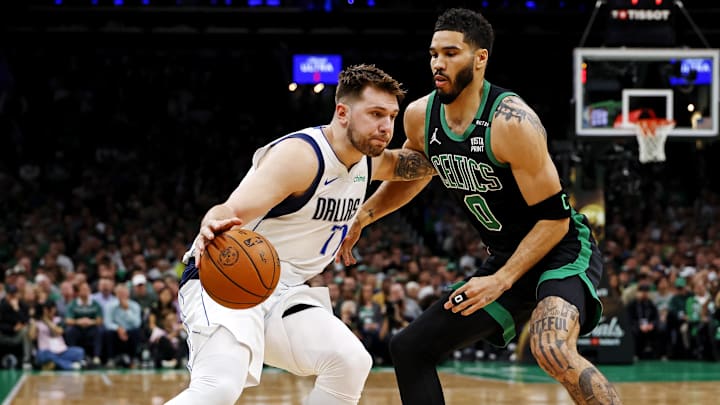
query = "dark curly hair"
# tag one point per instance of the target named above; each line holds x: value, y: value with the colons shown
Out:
x: 354, y: 79
x: 476, y: 30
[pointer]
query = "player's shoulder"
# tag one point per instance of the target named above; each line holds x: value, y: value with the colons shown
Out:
x: 299, y: 148
x: 513, y: 114
x: 414, y: 117
x: 418, y: 106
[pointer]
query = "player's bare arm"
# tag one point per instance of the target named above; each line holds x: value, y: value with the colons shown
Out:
x: 519, y: 139
x: 402, y: 165
x: 522, y: 142
x: 288, y: 168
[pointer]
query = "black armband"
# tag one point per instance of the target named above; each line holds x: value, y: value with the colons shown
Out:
x: 554, y: 207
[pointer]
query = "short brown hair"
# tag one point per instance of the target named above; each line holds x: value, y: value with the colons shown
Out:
x: 354, y: 79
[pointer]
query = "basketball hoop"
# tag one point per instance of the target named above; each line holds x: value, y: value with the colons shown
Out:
x: 651, y: 134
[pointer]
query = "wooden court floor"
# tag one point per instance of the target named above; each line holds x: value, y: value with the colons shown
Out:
x: 276, y: 388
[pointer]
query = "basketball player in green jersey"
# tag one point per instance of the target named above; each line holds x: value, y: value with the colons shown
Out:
x: 490, y: 151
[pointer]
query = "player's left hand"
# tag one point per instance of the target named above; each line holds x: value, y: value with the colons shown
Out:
x: 476, y: 293
x: 344, y: 254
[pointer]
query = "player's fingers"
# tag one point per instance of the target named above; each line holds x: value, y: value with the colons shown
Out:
x: 458, y: 300
x: 478, y: 303
x: 228, y: 223
x: 472, y: 308
x: 347, y: 255
x: 207, y: 233
x: 198, y: 249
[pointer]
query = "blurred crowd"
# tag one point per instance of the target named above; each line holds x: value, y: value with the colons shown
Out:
x: 111, y: 160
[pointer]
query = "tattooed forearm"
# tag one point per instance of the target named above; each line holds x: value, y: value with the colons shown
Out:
x: 412, y: 165
x: 511, y: 108
x: 554, y: 329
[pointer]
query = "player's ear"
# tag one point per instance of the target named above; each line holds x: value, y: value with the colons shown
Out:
x: 342, y: 111
x: 481, y: 57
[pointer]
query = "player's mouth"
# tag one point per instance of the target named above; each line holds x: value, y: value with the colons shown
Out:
x: 379, y: 141
x: 440, y: 81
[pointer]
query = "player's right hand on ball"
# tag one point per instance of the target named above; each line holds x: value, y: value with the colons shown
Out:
x: 345, y: 254
x: 208, y: 232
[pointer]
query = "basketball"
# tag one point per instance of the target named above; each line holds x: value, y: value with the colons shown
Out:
x: 239, y: 269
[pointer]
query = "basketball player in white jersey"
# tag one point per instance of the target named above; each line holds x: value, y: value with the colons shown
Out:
x: 302, y: 193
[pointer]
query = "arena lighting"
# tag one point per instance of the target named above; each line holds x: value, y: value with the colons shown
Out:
x: 58, y: 2
x: 530, y: 5
x: 318, y: 88
x: 118, y: 2
x: 292, y: 86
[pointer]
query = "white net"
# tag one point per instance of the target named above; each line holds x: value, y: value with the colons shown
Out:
x: 651, y: 135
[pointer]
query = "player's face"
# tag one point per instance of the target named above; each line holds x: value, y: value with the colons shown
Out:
x: 452, y: 64
x: 372, y: 121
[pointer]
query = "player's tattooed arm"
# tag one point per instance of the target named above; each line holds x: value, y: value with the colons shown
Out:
x: 513, y: 108
x: 412, y: 165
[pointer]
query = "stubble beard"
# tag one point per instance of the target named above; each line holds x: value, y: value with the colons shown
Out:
x: 462, y: 80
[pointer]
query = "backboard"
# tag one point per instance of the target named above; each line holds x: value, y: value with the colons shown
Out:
x: 615, y: 86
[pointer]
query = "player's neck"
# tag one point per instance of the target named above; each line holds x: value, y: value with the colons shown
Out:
x: 462, y: 110
x: 341, y: 145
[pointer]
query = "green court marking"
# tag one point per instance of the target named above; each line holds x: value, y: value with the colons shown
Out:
x: 8, y: 379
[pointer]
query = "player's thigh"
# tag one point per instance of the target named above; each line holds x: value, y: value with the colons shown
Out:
x: 439, y: 331
x: 317, y: 339
x: 565, y: 301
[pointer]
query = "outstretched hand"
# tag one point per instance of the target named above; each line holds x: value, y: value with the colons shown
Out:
x: 477, y: 293
x: 208, y: 232
x: 345, y: 254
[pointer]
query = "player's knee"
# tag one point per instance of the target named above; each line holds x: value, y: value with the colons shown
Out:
x: 356, y: 365
x: 401, y: 346
x: 218, y: 389
x: 552, y: 355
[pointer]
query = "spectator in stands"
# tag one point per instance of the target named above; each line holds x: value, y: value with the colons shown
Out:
x: 349, y: 316
x: 46, y: 287
x: 52, y: 350
x: 412, y: 306
x: 142, y: 293
x: 334, y: 290
x: 678, y: 320
x: 104, y: 295
x: 166, y: 303
x: 700, y: 309
x: 644, y: 318
x: 369, y: 321
x: 14, y: 330
x: 123, y: 326
x: 167, y: 341
x: 84, y: 323
x: 67, y: 295
x: 661, y: 299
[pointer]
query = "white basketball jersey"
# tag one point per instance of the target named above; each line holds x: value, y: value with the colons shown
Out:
x: 307, y: 230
